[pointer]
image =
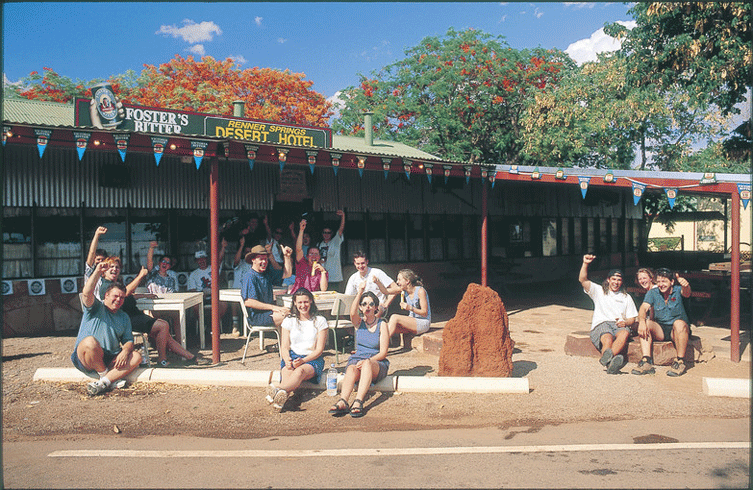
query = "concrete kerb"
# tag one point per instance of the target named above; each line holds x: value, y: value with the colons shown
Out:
x: 737, y: 388
x: 260, y: 379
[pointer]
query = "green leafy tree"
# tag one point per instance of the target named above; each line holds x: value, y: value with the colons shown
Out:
x: 704, y: 47
x: 460, y: 97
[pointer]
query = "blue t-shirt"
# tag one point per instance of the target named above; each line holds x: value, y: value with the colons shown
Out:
x: 259, y: 287
x: 665, y: 313
x: 110, y: 329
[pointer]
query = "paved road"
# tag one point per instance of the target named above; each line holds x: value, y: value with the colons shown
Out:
x: 708, y: 453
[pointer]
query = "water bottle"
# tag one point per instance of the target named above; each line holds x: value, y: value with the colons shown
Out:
x: 144, y: 355
x: 332, y: 381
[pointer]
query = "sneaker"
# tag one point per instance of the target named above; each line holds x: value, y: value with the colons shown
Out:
x: 271, y: 392
x: 646, y: 366
x: 606, y: 357
x: 279, y: 400
x: 236, y: 333
x: 96, y: 387
x: 116, y: 385
x: 615, y: 364
x: 677, y: 368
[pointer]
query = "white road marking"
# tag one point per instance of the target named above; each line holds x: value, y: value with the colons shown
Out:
x: 404, y: 451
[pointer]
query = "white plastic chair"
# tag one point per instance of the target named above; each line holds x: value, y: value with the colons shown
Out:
x: 260, y: 329
x: 340, y: 308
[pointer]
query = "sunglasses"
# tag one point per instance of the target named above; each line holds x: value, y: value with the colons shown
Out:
x: 165, y: 262
x: 325, y: 232
x: 367, y: 304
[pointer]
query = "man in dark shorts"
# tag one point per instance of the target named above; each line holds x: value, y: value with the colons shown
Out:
x: 104, y: 345
x: 670, y: 321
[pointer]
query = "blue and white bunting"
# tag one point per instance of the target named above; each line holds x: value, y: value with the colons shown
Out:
x: 198, y: 148
x: 429, y: 168
x: 82, y: 139
x: 744, y: 190
x: 583, y: 183
x: 447, y: 169
x: 467, y: 170
x: 121, y: 143
x: 386, y: 166
x: 361, y: 165
x: 282, y: 156
x: 251, y: 155
x: 406, y: 167
x: 671, y: 196
x: 638, y: 189
x: 43, y: 137
x: 158, y: 146
x: 335, y: 161
x: 6, y: 132
x: 311, y: 157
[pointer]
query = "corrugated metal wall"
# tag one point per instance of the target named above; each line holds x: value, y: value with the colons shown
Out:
x: 60, y: 180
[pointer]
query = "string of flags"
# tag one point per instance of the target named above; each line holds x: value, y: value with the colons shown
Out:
x: 198, y: 148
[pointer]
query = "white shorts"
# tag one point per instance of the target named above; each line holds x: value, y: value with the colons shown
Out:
x: 422, y: 325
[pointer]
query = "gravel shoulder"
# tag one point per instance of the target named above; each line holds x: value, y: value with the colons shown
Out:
x: 564, y: 389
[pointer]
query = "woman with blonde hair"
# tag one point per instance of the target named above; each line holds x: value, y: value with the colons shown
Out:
x: 414, y: 300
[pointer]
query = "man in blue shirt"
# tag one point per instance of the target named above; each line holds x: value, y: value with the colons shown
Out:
x: 256, y: 287
x: 104, y: 327
x: 670, y: 321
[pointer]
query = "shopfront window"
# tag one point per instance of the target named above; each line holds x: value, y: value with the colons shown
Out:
x: 396, y: 230
x: 58, y: 243
x: 549, y: 237
x: 416, y: 237
x: 17, y: 244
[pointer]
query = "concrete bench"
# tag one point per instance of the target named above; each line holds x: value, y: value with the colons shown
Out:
x: 664, y: 352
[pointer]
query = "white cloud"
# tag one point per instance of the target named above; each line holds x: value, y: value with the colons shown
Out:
x: 257, y: 20
x: 580, y: 5
x: 537, y: 13
x: 586, y: 49
x: 281, y: 40
x: 338, y: 103
x: 504, y: 18
x: 240, y: 59
x: 191, y: 32
x: 197, y: 49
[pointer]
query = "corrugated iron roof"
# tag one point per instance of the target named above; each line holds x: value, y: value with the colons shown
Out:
x: 38, y: 112
x: 353, y: 144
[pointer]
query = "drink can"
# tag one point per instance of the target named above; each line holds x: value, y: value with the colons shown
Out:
x: 107, y: 105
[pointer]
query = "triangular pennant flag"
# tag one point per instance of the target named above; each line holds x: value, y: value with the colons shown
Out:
x: 198, y: 148
x: 386, y: 166
x: 467, y: 170
x: 583, y: 183
x: 121, y: 143
x: 335, y: 161
x: 560, y: 174
x: 282, y: 156
x: 251, y: 155
x: 406, y: 168
x: 361, y: 165
x: 158, y: 145
x: 493, y: 177
x: 43, y: 137
x: 447, y: 170
x: 536, y: 174
x: 6, y: 133
x: 744, y: 190
x: 82, y: 139
x: 609, y: 177
x: 637, y: 192
x: 312, y: 160
x: 671, y: 196
x: 429, y: 171
x: 484, y: 174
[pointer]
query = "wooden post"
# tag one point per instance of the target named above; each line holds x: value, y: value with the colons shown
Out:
x: 735, y: 279
x: 214, y: 233
x: 484, y: 232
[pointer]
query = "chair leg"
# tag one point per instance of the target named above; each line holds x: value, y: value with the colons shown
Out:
x: 337, y: 352
x: 145, y: 340
x: 248, y: 338
x: 261, y: 340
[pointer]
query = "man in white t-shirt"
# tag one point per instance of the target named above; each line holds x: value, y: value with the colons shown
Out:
x: 614, y: 314
x: 366, y: 273
x: 329, y: 249
x: 201, y: 278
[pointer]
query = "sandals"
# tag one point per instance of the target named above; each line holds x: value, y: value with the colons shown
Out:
x: 336, y: 411
x: 356, y: 411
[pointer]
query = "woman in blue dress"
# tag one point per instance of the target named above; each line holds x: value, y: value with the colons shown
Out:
x: 369, y: 364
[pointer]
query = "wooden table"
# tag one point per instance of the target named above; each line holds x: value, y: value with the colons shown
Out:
x: 179, y: 302
x: 324, y: 300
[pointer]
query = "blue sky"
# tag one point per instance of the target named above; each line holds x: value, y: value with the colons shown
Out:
x: 331, y: 43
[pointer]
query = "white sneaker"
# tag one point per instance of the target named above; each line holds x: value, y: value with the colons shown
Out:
x: 116, y: 385
x: 96, y: 387
x: 271, y: 392
x: 279, y: 400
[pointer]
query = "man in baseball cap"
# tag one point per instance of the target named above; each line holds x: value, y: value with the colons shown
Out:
x: 614, y: 314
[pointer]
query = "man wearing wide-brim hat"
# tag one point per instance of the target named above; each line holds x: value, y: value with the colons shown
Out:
x: 256, y: 286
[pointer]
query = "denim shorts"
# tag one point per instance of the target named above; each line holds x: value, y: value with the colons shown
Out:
x: 317, y: 364
x: 602, y: 328
x: 107, y: 359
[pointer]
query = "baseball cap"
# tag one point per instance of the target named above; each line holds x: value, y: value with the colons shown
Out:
x: 615, y: 272
x: 200, y: 254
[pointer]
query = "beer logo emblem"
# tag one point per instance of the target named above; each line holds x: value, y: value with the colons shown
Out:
x: 159, y: 148
x: 671, y: 193
x: 81, y: 143
x: 227, y: 151
x: 68, y: 285
x: 36, y: 287
x: 583, y: 185
x: 447, y: 172
x: 42, y: 140
x: 282, y: 156
x: 535, y: 174
x: 312, y: 159
x: 386, y: 167
x: 335, y: 162
x: 428, y: 170
x: 745, y: 194
x: 7, y: 287
x: 198, y: 152
x: 361, y: 162
x: 560, y: 174
x: 106, y: 104
x: 406, y: 168
x: 251, y: 155
x: 637, y: 192
x: 467, y: 172
x: 122, y: 144
x: 484, y: 173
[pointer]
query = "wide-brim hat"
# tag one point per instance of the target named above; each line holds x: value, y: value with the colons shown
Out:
x: 257, y: 250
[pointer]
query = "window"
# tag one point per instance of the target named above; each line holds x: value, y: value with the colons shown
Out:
x: 17, y: 243
x: 436, y: 237
x: 578, y: 236
x: 114, y: 241
x: 58, y: 247
x: 565, y: 245
x: 396, y: 232
x: 549, y: 237
x: 142, y: 233
x: 377, y: 238
x: 416, y: 237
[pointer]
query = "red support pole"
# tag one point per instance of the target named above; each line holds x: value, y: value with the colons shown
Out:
x: 735, y: 280
x: 484, y: 231
x: 214, y: 224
